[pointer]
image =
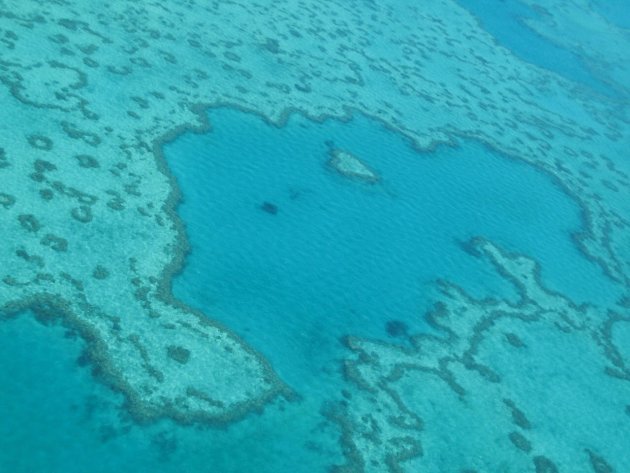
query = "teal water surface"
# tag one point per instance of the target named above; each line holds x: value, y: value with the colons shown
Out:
x: 57, y: 419
x: 339, y: 257
x: 293, y: 256
x: 615, y: 11
x: 345, y: 257
x: 506, y: 24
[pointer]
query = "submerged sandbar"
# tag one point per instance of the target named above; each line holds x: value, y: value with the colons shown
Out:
x: 349, y: 165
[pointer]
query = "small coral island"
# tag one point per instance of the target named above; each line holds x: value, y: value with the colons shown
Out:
x: 348, y: 165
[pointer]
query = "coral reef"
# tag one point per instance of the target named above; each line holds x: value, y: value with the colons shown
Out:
x: 91, y: 91
x: 522, y: 386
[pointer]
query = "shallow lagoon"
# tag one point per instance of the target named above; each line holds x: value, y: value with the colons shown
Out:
x: 342, y: 256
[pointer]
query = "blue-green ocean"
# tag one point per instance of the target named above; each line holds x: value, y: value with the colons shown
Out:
x: 292, y: 257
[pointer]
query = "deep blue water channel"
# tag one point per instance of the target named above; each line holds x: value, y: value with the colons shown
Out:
x: 505, y: 23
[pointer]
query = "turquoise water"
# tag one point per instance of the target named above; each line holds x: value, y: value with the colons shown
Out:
x: 293, y: 283
x: 293, y: 257
x: 506, y: 24
x: 342, y: 241
x: 346, y: 257
x: 615, y: 11
x: 57, y: 418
